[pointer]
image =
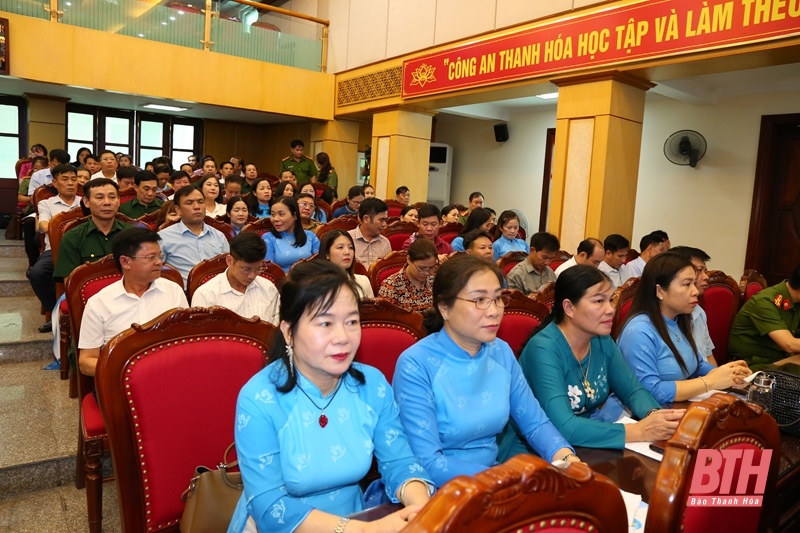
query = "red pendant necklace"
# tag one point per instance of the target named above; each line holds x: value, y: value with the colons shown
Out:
x: 323, y: 420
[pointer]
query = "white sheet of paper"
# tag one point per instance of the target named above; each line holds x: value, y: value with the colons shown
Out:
x: 632, y: 502
x: 701, y: 397
x: 639, y: 518
x: 639, y: 447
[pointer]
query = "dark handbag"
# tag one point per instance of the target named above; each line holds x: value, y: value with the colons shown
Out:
x: 211, y: 498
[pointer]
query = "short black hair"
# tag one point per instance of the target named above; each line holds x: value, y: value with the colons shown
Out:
x: 186, y: 190
x: 690, y: 253
x: 126, y: 172
x: 97, y: 182
x: 649, y: 240
x: 661, y: 234
x: 474, y: 195
x: 542, y: 240
x: 615, y: 242
x: 472, y: 236
x: 354, y: 191
x: 43, y: 148
x: 427, y: 211
x: 144, y: 175
x: 248, y: 246
x: 60, y: 156
x: 372, y: 206
x: 225, y: 163
x: 297, y: 142
x: 160, y: 168
x: 234, y: 179
x: 129, y: 241
x: 62, y: 169
x: 178, y: 174
x: 401, y: 190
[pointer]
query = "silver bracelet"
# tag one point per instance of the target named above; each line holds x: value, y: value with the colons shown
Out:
x: 341, y: 525
x: 405, y: 484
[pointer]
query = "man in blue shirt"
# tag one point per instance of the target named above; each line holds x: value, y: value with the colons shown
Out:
x: 45, y: 176
x: 190, y: 240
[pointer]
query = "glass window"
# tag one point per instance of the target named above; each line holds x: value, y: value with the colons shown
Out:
x: 80, y: 126
x: 117, y: 131
x: 9, y: 120
x: 9, y: 154
x: 148, y: 154
x: 183, y: 137
x: 152, y: 133
x: 180, y: 157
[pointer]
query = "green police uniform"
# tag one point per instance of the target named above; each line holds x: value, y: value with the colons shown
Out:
x: 82, y: 244
x: 769, y: 310
x: 136, y: 209
x: 303, y: 169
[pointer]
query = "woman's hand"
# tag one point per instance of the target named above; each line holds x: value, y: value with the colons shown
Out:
x: 727, y: 375
x: 658, y: 425
x: 388, y: 524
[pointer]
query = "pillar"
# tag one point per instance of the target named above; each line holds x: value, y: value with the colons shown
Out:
x: 401, y: 142
x: 47, y: 121
x: 596, y: 157
x: 338, y: 139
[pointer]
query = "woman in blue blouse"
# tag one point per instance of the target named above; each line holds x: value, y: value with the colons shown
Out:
x: 481, y: 219
x: 657, y: 339
x: 573, y: 367
x: 507, y: 241
x: 259, y: 199
x: 308, y: 425
x: 457, y: 387
x: 287, y: 241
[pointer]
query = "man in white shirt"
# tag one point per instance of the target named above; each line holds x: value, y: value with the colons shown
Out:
x: 41, y: 273
x: 613, y: 264
x: 590, y: 252
x: 240, y: 288
x: 45, y: 176
x: 650, y: 246
x: 140, y: 296
x: 108, y: 166
x: 702, y: 338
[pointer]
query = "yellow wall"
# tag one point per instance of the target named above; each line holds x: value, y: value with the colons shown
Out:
x: 59, y: 53
x: 47, y: 117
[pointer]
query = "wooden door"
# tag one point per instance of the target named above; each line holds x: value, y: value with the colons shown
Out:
x: 773, y: 244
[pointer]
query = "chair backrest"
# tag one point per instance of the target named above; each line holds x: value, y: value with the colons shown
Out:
x: 260, y: 226
x: 622, y: 300
x: 750, y: 284
x: 225, y: 229
x: 126, y: 195
x: 510, y: 260
x: 386, y: 331
x: 521, y: 316
x: 203, y: 272
x: 150, y: 219
x: 394, y: 206
x: 326, y: 207
x: 42, y: 192
x: 60, y: 224
x: 560, y: 258
x: 632, y: 254
x: 398, y: 233
x: 525, y: 493
x: 521, y: 234
x: 546, y: 294
x: 337, y: 204
x: 344, y: 222
x: 18, y: 165
x: 168, y: 391
x: 385, y: 267
x: 720, y: 422
x: 450, y: 231
x: 721, y: 302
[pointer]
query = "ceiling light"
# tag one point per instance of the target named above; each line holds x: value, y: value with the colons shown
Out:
x: 165, y: 107
x: 547, y: 96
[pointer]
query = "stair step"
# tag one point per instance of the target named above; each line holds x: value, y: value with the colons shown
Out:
x: 12, y: 248
x: 20, y: 340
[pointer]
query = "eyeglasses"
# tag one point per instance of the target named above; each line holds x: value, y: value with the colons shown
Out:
x: 151, y: 257
x: 250, y: 270
x: 305, y: 205
x: 426, y: 270
x: 482, y: 303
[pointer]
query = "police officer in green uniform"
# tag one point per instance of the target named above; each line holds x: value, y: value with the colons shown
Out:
x: 766, y: 328
x: 302, y: 165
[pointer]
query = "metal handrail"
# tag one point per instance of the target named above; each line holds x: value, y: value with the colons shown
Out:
x: 282, y: 11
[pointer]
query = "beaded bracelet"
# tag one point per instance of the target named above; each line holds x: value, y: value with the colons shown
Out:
x: 341, y: 525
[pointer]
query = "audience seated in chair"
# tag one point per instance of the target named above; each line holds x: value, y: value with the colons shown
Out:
x: 700, y: 322
x: 615, y: 249
x: 478, y: 242
x: 650, y: 246
x: 287, y: 241
x: 190, y: 240
x: 507, y: 236
x: 370, y: 244
x: 411, y: 288
x: 354, y: 198
x: 145, y: 202
x: 590, y: 252
x: 529, y: 275
x: 429, y: 222
x: 239, y: 288
x: 479, y: 219
x: 45, y: 176
x: 337, y: 247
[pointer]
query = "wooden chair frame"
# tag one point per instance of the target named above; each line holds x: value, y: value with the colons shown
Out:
x: 523, y: 494
x: 510, y: 260
x: 392, y: 260
x: 718, y: 279
x: 522, y: 305
x: 450, y: 231
x: 344, y: 222
x: 750, y: 277
x: 260, y: 226
x: 622, y: 294
x: 546, y: 294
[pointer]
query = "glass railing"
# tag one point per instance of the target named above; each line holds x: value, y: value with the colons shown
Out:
x: 262, y: 33
x: 29, y: 8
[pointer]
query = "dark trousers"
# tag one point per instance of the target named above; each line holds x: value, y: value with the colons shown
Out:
x: 32, y: 240
x: 41, y: 277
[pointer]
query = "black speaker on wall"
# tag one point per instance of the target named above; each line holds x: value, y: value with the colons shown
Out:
x: 501, y: 132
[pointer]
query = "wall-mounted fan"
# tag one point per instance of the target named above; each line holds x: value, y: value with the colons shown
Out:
x: 685, y: 147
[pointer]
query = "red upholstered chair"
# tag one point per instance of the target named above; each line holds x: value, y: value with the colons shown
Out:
x: 326, y: 207
x: 168, y: 393
x: 721, y: 302
x: 84, y: 282
x: 750, y: 284
x: 621, y: 300
x: 525, y: 493
x: 720, y: 422
x: 398, y: 233
x: 208, y: 268
x: 559, y: 258
x: 261, y: 226
x: 126, y: 195
x: 632, y: 254
x: 521, y: 234
x: 150, y: 219
x: 337, y: 204
x: 383, y: 268
x: 386, y: 332
x: 450, y: 231
x: 522, y: 315
x: 344, y: 222
x: 510, y: 260
x: 546, y: 294
x: 225, y: 229
x: 394, y: 206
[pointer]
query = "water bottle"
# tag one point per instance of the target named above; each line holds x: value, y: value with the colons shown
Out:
x: 760, y: 392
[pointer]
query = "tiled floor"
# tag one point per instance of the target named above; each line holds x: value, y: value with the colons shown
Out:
x: 58, y: 510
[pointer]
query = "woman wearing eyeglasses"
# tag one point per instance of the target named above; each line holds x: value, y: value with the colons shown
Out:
x: 308, y: 207
x: 458, y: 387
x: 412, y: 287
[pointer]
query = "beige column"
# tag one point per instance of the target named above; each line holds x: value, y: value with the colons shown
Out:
x: 401, y: 143
x: 596, y: 157
x: 338, y: 139
x: 47, y: 121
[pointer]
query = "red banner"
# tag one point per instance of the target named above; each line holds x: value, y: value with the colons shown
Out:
x: 615, y: 35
